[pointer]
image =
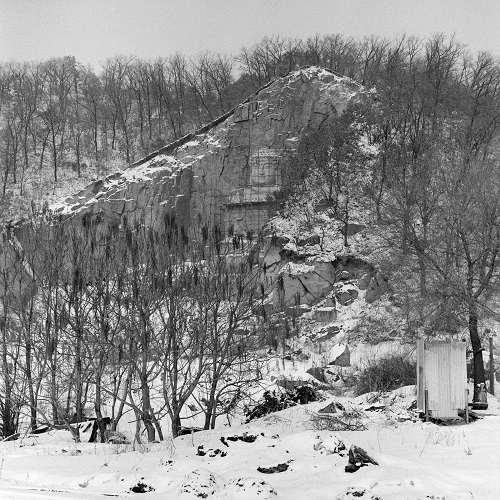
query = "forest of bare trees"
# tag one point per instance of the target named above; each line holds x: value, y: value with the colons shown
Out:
x: 125, y: 321
x: 58, y: 116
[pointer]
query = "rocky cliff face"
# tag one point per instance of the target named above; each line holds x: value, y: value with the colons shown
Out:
x: 225, y: 172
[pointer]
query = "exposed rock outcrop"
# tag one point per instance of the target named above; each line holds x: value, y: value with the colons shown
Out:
x: 227, y: 170
x: 376, y: 287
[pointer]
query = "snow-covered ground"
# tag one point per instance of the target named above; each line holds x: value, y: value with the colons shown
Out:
x: 416, y: 460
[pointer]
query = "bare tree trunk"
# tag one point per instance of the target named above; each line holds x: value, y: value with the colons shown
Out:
x: 147, y: 411
x: 97, y: 408
x: 31, y: 385
x: 479, y: 375
x: 126, y: 387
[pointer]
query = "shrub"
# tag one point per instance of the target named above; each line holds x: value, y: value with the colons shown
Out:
x: 386, y: 374
x: 273, y: 402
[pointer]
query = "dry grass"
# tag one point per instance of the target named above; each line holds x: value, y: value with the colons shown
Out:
x: 348, y: 420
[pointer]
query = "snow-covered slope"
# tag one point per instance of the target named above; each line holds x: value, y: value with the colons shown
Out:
x: 416, y: 460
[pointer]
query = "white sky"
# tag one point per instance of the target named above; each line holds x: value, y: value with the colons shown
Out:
x: 92, y: 30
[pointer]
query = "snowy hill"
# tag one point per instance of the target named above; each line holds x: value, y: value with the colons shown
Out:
x: 415, y: 460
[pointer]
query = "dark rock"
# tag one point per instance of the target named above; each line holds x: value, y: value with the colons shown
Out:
x: 245, y: 437
x: 308, y: 240
x: 358, y: 458
x: 189, y: 430
x: 330, y: 302
x: 210, y: 452
x: 40, y: 429
x: 354, y: 265
x: 343, y: 359
x: 344, y: 276
x: 331, y: 408
x: 353, y: 229
x: 364, y: 281
x: 377, y: 408
x: 344, y: 298
x: 377, y: 287
x: 308, y: 283
x: 318, y: 373
x: 141, y: 487
x: 381, y: 282
x: 274, y: 469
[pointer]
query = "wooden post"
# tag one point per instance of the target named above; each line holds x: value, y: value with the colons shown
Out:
x: 420, y: 375
x: 492, y: 368
x: 466, y: 406
x: 426, y: 405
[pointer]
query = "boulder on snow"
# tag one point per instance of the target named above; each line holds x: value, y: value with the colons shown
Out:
x: 364, y: 281
x: 358, y: 458
x: 330, y: 302
x: 377, y: 287
x: 305, y: 283
x: 346, y: 297
x: 353, y: 229
x: 211, y: 452
x: 355, y: 266
x: 141, y: 487
x: 274, y: 469
x: 318, y: 373
x: 332, y: 408
x: 340, y: 355
x: 313, y: 239
x: 344, y: 276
